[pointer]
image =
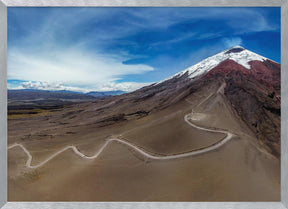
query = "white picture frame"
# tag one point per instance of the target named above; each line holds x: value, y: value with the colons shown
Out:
x: 147, y: 3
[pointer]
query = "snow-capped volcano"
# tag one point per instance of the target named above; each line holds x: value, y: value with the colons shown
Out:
x: 250, y: 88
x: 238, y: 54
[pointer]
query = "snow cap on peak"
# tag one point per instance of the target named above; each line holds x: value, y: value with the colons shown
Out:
x: 237, y: 53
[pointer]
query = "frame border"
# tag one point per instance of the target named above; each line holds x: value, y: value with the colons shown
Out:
x: 3, y: 104
x: 141, y: 3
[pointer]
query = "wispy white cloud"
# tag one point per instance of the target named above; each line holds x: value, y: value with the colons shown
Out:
x: 45, y: 57
x: 232, y: 41
x: 70, y: 66
x: 246, y: 19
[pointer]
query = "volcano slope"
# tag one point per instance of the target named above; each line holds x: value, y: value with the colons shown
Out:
x: 228, y: 97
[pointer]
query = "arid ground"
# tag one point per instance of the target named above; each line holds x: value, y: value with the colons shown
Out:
x: 237, y: 170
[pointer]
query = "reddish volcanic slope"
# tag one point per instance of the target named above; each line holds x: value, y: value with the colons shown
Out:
x: 267, y: 72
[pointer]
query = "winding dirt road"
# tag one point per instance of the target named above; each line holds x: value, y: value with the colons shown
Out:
x: 187, y: 119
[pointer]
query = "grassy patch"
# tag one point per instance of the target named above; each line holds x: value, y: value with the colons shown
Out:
x: 15, y: 114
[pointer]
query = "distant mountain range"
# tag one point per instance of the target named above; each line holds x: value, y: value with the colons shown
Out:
x: 34, y: 94
x: 27, y: 99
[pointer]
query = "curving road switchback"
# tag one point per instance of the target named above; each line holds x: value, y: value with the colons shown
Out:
x: 187, y: 119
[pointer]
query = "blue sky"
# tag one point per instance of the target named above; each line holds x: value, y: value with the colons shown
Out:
x: 104, y: 49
